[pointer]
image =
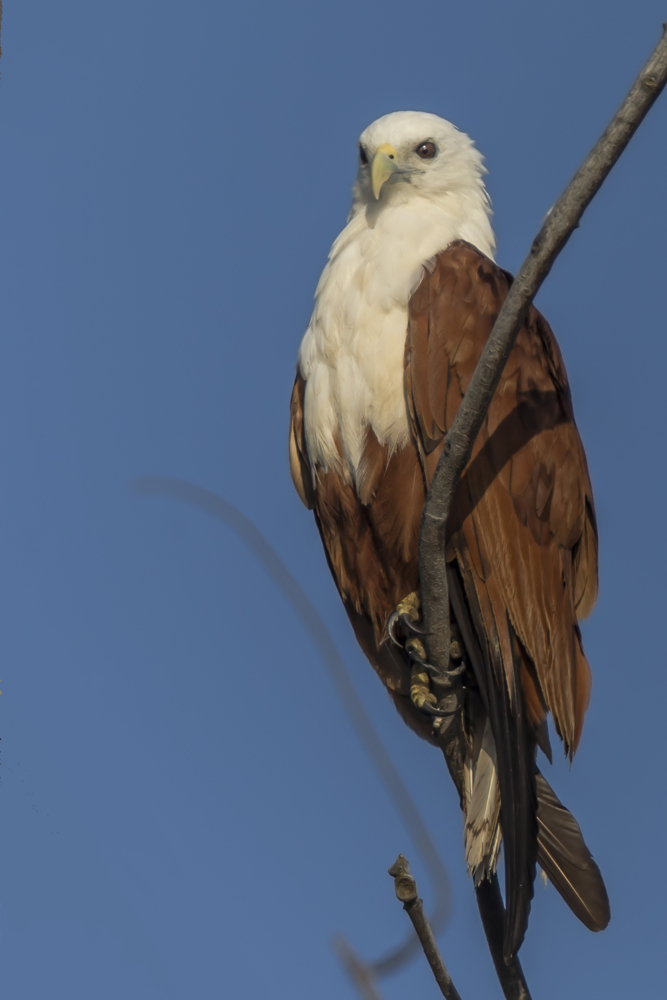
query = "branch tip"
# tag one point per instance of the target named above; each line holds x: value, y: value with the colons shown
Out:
x: 406, y: 891
x: 399, y: 867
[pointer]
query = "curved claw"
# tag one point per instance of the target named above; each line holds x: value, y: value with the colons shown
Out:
x: 429, y: 709
x: 432, y: 671
x: 392, y: 622
x: 408, y: 624
x: 455, y: 671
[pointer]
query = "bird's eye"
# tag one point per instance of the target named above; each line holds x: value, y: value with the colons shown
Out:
x: 363, y: 156
x: 426, y: 150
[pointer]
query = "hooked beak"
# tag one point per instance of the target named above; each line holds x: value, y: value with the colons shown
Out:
x: 383, y: 166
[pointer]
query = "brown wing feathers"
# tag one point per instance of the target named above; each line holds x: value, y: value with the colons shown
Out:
x: 525, y: 500
x: 522, y: 530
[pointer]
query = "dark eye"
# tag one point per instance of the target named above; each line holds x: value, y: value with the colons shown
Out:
x: 426, y: 150
x: 363, y: 156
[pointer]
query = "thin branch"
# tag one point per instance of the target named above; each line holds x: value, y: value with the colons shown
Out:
x: 492, y: 911
x: 561, y: 221
x: 317, y: 629
x: 406, y: 891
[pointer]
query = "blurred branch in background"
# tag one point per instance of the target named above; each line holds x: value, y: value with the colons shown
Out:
x: 363, y: 974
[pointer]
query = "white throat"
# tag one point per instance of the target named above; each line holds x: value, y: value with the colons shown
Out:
x: 352, y: 353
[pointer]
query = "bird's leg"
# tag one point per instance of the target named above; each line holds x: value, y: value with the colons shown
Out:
x: 431, y: 689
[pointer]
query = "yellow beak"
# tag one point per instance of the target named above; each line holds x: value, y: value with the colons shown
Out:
x: 383, y: 166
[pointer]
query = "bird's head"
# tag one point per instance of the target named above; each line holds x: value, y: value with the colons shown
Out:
x: 411, y: 154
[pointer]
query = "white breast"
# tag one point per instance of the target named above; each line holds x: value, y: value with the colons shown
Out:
x: 352, y: 353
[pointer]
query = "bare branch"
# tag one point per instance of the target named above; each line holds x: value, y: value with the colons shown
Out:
x: 561, y: 221
x: 492, y: 911
x: 406, y: 891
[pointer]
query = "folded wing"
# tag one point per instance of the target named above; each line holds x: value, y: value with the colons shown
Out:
x: 522, y: 532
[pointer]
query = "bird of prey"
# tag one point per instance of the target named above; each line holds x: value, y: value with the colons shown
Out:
x: 403, y: 308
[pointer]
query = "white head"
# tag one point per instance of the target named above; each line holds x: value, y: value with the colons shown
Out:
x: 410, y: 154
x: 419, y: 188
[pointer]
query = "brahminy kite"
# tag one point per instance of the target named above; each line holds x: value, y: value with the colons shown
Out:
x: 402, y: 311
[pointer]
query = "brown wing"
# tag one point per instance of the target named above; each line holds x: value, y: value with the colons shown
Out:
x: 522, y: 532
x: 523, y: 527
x: 370, y: 538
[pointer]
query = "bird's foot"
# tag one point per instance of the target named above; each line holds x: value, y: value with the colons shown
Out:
x: 403, y: 622
x: 433, y: 691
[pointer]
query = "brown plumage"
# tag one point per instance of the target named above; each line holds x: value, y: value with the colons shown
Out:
x: 521, y: 551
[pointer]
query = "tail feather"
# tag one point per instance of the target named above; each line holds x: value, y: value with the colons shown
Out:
x: 567, y: 862
x: 482, y: 796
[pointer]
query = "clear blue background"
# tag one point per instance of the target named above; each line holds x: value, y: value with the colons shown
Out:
x: 185, y: 805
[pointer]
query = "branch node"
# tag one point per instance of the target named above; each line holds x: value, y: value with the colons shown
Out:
x: 405, y: 886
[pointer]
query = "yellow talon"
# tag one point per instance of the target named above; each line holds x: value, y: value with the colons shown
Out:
x: 420, y: 693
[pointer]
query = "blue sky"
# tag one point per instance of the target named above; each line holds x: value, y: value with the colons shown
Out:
x: 185, y: 803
